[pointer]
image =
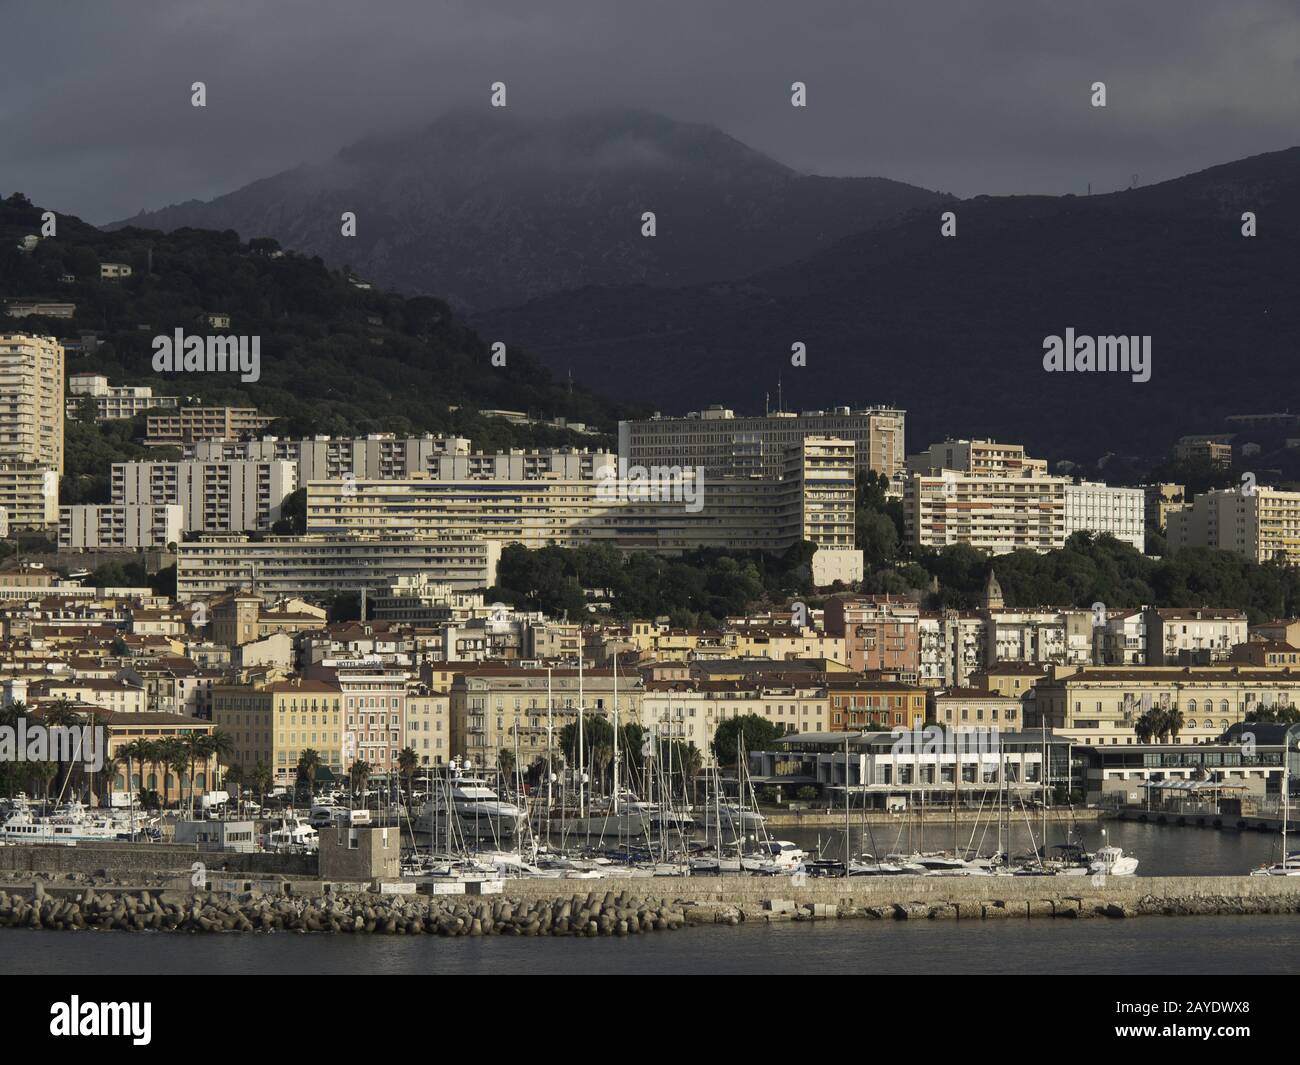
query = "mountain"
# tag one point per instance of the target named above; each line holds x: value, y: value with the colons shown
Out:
x: 486, y: 209
x: 953, y: 328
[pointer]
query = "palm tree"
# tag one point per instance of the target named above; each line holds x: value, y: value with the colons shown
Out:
x: 60, y: 714
x: 261, y: 780
x: 221, y: 747
x: 308, y: 763
x: 175, y: 758
x: 408, y: 763
x: 360, y: 773
x: 39, y: 775
x: 1174, y: 721
x: 198, y: 747
x: 234, y: 778
x: 136, y: 751
x: 1144, y: 728
x: 506, y: 761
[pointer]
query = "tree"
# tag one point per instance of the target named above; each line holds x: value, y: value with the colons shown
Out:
x: 308, y: 763
x: 408, y: 764
x: 750, y: 731
x: 261, y: 778
x: 359, y: 775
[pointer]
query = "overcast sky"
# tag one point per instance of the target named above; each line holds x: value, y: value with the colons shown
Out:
x: 964, y: 96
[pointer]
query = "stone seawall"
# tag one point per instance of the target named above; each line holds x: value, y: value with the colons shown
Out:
x: 626, y: 907
x: 128, y: 860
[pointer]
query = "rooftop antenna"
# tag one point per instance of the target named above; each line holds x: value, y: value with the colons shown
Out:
x: 780, y: 399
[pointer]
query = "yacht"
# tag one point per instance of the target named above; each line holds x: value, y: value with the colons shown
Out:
x: 72, y: 822
x: 480, y: 812
x: 774, y: 856
x: 294, y: 834
x: 1289, y: 867
x: 1111, y: 861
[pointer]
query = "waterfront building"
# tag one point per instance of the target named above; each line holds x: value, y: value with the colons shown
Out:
x: 272, y: 724
x: 497, y: 708
x: 1101, y: 705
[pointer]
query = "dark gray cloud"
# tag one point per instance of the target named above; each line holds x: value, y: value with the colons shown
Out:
x: 966, y: 96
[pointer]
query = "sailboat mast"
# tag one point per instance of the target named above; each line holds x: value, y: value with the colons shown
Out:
x: 614, y: 796
x: 582, y: 792
x: 550, y: 747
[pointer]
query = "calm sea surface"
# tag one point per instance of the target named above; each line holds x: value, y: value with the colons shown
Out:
x: 1151, y: 945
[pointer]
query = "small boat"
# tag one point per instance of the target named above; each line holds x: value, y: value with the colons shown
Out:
x: 1111, y: 861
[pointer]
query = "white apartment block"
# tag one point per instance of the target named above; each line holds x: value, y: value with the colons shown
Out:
x: 31, y: 400
x: 1061, y: 637
x: 229, y: 496
x: 726, y: 445
x: 691, y: 711
x: 813, y: 501
x: 315, y: 565
x: 1262, y: 525
x: 1102, y: 510
x: 1202, y: 633
x: 1002, y: 512
x: 112, y: 401
x: 29, y: 494
x: 428, y: 728
x: 380, y: 456
x: 129, y: 526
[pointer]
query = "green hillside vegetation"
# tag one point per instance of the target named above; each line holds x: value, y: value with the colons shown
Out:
x: 335, y: 358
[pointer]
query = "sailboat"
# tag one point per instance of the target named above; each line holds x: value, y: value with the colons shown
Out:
x: 1290, y: 863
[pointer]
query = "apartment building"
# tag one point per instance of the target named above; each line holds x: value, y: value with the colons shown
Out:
x: 192, y: 424
x: 29, y: 495
x: 1099, y: 509
x: 214, y: 497
x: 273, y: 724
x: 879, y: 633
x: 31, y: 401
x: 727, y: 445
x: 1100, y: 705
x: 40, y: 309
x: 975, y: 708
x: 1162, y: 499
x: 374, y: 700
x: 379, y: 456
x: 1119, y: 638
x: 428, y: 726
x: 980, y: 458
x: 316, y: 565
x: 952, y: 647
x: 1061, y: 637
x: 814, y: 500
x: 111, y: 401
x: 858, y: 703
x: 516, y: 709
x: 1214, y: 449
x: 130, y: 526
x: 690, y: 711
x: 999, y: 513
x: 1192, y: 636
x: 1262, y: 524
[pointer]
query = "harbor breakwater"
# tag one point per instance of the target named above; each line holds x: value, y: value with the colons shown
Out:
x: 631, y: 906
